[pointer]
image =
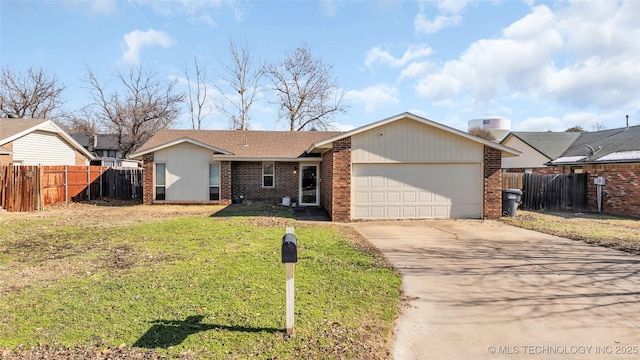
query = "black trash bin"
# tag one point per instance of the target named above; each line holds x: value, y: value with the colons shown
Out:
x: 510, y: 200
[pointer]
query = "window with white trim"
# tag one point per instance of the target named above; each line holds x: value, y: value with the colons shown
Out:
x: 268, y: 174
x: 161, y: 181
x: 214, y: 182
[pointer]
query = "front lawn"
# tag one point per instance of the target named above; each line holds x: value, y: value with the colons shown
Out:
x: 620, y: 233
x: 194, y: 286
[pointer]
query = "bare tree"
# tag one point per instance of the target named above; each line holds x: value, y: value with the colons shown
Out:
x: 85, y: 121
x: 33, y: 95
x: 482, y: 133
x: 598, y: 126
x: 197, y: 93
x: 242, y: 74
x: 144, y: 106
x: 307, y: 94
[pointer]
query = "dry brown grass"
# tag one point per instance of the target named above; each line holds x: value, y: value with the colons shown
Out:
x: 620, y: 233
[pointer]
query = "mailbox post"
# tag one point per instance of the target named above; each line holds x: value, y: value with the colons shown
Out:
x: 289, y: 258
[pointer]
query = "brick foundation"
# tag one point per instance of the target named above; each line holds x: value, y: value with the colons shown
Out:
x: 492, y: 203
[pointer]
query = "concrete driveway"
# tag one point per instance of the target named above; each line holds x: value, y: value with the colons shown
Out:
x: 486, y: 290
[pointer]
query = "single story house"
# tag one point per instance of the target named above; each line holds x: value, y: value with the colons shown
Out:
x: 614, y: 156
x: 401, y: 167
x: 39, y: 142
x: 538, y: 149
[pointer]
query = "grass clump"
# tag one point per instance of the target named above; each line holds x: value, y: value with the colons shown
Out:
x: 620, y: 233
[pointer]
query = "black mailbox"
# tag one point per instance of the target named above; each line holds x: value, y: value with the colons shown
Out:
x: 289, y: 249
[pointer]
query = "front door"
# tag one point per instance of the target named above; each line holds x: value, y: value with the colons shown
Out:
x: 309, y: 190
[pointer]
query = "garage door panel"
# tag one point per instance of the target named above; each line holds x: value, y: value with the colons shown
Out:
x: 377, y: 182
x: 393, y: 196
x: 399, y: 191
x: 409, y: 197
x: 376, y: 197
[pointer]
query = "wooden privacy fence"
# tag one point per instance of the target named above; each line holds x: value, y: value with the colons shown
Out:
x: 549, y: 192
x: 29, y: 188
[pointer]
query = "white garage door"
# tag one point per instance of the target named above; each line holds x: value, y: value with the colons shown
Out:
x: 409, y: 191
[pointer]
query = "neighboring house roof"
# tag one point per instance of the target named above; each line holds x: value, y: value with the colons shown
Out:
x: 326, y: 143
x: 607, y: 146
x: 238, y: 144
x: 15, y: 128
x: 93, y: 142
x: 549, y: 144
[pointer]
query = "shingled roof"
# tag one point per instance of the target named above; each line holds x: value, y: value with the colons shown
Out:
x: 239, y: 144
x: 10, y: 127
x: 613, y: 145
x: 549, y: 144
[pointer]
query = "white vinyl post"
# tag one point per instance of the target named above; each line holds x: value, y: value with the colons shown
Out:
x: 290, y: 268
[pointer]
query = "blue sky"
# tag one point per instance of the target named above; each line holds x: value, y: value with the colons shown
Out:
x: 544, y: 65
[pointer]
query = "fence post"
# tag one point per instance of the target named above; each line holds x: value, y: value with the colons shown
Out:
x: 38, y: 182
x: 66, y: 184
x: 89, y: 182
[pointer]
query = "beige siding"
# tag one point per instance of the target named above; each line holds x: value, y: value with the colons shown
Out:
x: 187, y: 168
x: 410, y: 141
x: 530, y: 158
x: 43, y: 148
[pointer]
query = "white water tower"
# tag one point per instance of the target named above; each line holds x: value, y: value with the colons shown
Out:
x: 499, y: 126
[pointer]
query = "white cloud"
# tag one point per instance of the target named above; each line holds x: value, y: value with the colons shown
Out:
x: 94, y: 7
x: 424, y: 25
x: 544, y: 123
x: 377, y: 55
x: 138, y: 39
x: 583, y: 54
x: 448, y: 15
x: 415, y: 69
x: 374, y: 97
x: 589, y: 121
x: 196, y: 11
x: 329, y: 7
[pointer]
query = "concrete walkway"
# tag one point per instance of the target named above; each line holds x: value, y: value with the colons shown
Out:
x: 485, y: 290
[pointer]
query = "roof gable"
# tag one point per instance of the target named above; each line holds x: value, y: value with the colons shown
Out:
x: 15, y: 128
x: 327, y: 143
x: 549, y: 144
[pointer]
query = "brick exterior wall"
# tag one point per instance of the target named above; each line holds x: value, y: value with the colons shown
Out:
x: 226, y: 193
x: 326, y: 182
x: 621, y: 191
x: 492, y: 203
x: 246, y: 179
x: 147, y: 179
x: 81, y: 160
x: 341, y: 180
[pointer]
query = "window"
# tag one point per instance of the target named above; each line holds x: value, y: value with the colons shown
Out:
x: 577, y: 170
x: 268, y: 171
x: 214, y: 182
x: 160, y: 181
